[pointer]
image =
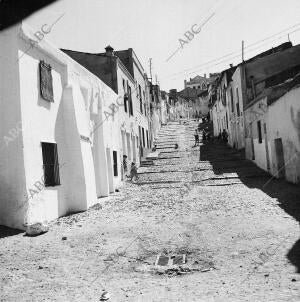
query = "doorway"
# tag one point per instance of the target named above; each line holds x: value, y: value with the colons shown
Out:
x: 110, y: 171
x: 280, y: 158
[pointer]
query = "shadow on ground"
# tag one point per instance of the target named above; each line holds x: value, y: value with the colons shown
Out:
x: 7, y: 232
x: 227, y: 160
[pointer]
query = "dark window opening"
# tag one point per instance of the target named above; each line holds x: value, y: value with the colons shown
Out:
x: 50, y: 164
x: 115, y: 163
x: 130, y: 101
x: 231, y: 98
x: 147, y: 136
x: 46, y: 82
x: 143, y: 133
x: 259, y: 132
x: 227, y: 120
x: 125, y: 102
x: 238, y: 109
x: 141, y: 99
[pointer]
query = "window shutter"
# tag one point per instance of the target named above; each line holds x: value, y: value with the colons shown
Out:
x: 46, y: 85
x: 56, y: 167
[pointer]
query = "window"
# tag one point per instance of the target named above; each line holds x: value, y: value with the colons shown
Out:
x: 141, y: 100
x: 147, y: 136
x: 125, y: 95
x: 238, y: 109
x: 231, y: 98
x: 124, y: 85
x: 46, y: 85
x: 238, y: 102
x: 50, y: 164
x: 143, y: 133
x: 130, y: 101
x: 227, y: 120
x: 259, y: 132
x: 115, y: 162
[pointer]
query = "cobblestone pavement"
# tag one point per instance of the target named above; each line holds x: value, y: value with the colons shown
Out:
x: 238, y: 228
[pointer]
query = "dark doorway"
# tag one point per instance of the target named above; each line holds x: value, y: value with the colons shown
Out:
x: 280, y: 158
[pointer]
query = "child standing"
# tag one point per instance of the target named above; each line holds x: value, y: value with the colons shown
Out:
x: 133, y: 172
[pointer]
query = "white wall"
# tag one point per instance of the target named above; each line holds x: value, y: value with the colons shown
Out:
x: 254, y: 114
x: 284, y: 122
x: 12, y: 170
x: 236, y: 129
x: 80, y: 99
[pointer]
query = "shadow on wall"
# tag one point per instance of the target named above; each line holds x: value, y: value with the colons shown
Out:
x: 227, y: 160
x: 296, y: 122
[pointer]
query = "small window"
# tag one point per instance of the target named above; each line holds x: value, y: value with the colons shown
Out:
x: 126, y: 97
x: 147, y: 136
x: 124, y: 85
x: 46, y: 85
x: 141, y: 100
x: 130, y: 101
x: 259, y: 132
x: 115, y: 162
x: 227, y: 120
x: 50, y: 164
x: 231, y: 98
x: 143, y: 133
x: 238, y: 109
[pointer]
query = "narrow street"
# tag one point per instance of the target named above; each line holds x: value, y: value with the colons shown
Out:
x: 237, y: 227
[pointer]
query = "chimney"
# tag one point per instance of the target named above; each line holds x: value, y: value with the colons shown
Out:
x: 109, y: 50
x: 205, y: 75
x: 231, y: 65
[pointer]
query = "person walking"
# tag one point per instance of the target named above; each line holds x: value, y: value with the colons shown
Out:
x: 225, y: 136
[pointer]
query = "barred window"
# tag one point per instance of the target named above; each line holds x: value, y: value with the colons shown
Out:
x: 46, y: 85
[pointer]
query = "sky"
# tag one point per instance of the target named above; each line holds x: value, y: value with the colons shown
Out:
x: 156, y: 29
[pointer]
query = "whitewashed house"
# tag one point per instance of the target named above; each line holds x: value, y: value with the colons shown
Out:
x: 59, y: 148
x: 273, y: 130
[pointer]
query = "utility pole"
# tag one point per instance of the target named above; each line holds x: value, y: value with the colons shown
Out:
x: 150, y: 67
x: 243, y: 51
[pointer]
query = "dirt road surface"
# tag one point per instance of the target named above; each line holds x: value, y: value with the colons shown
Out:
x: 238, y: 228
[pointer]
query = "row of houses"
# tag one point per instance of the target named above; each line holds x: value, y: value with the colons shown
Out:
x: 257, y: 103
x: 193, y: 101
x: 68, y: 121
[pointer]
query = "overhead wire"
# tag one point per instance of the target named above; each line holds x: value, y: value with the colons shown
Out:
x: 239, y: 51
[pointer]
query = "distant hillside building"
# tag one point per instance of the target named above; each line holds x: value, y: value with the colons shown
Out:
x: 199, y: 82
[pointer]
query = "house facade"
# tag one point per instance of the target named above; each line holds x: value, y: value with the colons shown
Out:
x: 273, y: 131
x: 198, y: 82
x: 56, y: 116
